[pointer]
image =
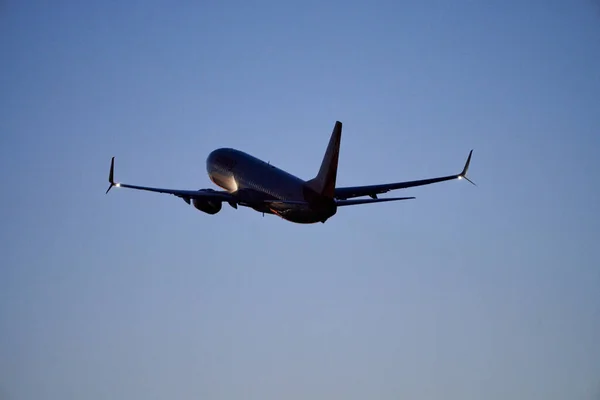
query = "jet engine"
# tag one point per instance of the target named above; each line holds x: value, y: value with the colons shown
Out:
x: 207, y: 206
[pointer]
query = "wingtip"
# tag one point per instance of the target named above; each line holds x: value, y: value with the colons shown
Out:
x: 466, y: 168
x: 463, y: 174
x: 470, y: 181
x: 111, y: 174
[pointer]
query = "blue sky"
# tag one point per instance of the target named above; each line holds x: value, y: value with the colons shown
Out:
x: 463, y: 293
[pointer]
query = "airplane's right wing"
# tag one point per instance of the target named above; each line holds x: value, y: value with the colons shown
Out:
x: 344, y: 193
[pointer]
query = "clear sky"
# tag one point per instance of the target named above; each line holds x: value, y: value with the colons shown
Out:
x: 464, y: 293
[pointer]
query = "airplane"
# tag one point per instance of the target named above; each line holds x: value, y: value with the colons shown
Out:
x: 250, y: 182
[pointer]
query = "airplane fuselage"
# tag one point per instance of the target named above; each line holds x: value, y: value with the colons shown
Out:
x: 254, y: 181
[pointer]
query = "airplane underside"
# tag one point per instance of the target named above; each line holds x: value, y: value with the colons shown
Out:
x: 303, y: 216
x: 298, y: 214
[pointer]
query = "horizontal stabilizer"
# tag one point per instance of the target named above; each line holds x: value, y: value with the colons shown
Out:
x: 341, y: 203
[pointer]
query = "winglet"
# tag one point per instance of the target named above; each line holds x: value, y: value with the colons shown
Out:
x: 463, y: 174
x: 111, y: 175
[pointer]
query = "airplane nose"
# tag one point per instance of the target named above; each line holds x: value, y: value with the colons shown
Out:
x: 215, y: 158
x: 211, y: 157
x: 211, y: 160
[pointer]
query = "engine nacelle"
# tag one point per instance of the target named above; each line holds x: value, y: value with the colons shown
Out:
x: 209, y: 207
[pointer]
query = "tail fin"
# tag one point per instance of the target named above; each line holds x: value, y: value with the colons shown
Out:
x: 324, y: 182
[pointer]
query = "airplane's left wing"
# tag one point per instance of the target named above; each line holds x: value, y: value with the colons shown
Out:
x: 206, y: 194
x: 373, y: 190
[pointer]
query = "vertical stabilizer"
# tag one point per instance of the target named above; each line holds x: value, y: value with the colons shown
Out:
x: 324, y: 182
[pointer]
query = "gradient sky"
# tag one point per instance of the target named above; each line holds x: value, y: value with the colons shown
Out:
x: 464, y: 293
